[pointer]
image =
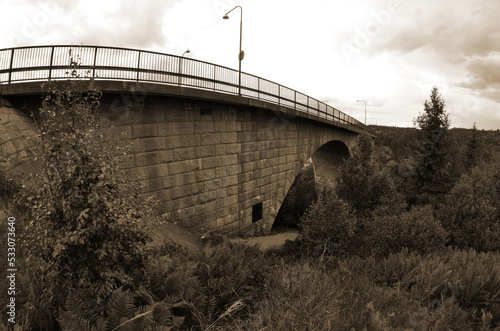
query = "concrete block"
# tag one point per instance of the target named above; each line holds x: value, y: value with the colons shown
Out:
x: 146, y: 159
x: 228, y: 138
x: 205, y: 151
x: 232, y: 190
x: 233, y: 169
x: 182, y: 128
x: 181, y: 154
x: 210, y: 138
x: 212, y: 162
x: 204, y: 127
x: 212, y: 185
x: 172, y: 142
x: 205, y: 175
x: 144, y: 130
x: 178, y: 167
x: 232, y: 148
x: 230, y: 181
x: 168, y: 182
x: 230, y: 159
x: 165, y: 156
x: 185, y: 179
x: 156, y: 171
x: 219, y: 127
x: 152, y: 144
x: 164, y: 129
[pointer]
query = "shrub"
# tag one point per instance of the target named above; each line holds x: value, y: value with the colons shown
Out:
x: 416, y: 230
x: 364, y: 184
x: 328, y: 227
x: 85, y: 229
x: 472, y: 210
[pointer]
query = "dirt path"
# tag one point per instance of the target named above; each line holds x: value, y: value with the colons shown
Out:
x: 271, y: 241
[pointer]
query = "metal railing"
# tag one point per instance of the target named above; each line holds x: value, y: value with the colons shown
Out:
x: 39, y: 63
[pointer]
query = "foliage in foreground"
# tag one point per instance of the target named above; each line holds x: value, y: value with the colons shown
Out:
x: 85, y: 230
x: 447, y: 290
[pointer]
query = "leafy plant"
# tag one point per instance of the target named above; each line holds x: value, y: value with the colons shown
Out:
x: 361, y: 184
x: 471, y: 212
x: 328, y: 227
x: 417, y: 230
x: 85, y: 228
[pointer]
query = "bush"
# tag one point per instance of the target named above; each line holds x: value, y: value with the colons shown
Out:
x: 85, y: 230
x: 364, y: 184
x: 416, y: 230
x: 328, y: 227
x: 471, y: 212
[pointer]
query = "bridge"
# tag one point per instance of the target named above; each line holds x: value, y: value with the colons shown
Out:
x: 217, y: 153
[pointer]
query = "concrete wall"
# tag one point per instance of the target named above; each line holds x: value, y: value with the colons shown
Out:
x: 19, y: 143
x: 209, y: 164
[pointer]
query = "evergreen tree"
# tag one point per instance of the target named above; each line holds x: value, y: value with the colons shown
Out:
x: 360, y: 184
x: 432, y: 176
x: 473, y: 154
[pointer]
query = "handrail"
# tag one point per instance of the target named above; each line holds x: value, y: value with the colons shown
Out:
x: 38, y: 63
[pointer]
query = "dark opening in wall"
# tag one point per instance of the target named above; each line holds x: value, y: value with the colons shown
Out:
x: 257, y: 212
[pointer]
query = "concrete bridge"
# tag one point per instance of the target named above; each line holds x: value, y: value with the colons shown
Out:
x: 215, y: 159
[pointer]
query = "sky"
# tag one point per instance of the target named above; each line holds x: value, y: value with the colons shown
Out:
x: 389, y: 53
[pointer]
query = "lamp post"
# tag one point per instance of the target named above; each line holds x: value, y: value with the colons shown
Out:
x: 241, y: 54
x: 365, y: 107
x: 180, y: 65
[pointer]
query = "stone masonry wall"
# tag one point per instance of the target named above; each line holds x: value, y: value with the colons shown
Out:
x: 212, y: 166
x: 209, y: 163
x: 18, y: 142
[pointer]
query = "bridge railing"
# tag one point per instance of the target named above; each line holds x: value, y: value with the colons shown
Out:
x: 39, y: 63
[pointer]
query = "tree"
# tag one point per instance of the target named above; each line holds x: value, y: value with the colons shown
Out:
x: 471, y: 213
x: 86, y: 231
x: 328, y: 227
x: 432, y: 175
x: 360, y: 184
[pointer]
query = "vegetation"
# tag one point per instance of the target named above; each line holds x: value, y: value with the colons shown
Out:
x: 367, y: 257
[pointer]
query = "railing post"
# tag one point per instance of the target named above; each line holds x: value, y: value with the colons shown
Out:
x: 95, y: 60
x: 295, y: 99
x: 138, y: 65
x: 51, y: 59
x: 215, y: 68
x: 258, y: 88
x: 279, y: 94
x: 11, y: 62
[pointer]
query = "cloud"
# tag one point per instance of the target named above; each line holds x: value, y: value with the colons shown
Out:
x: 453, y: 29
x: 126, y: 23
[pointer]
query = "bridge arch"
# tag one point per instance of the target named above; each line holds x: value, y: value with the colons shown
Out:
x: 326, y: 161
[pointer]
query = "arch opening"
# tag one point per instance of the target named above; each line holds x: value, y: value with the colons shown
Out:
x: 326, y: 161
x: 322, y: 169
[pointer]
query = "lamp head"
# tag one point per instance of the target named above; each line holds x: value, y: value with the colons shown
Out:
x: 225, y: 17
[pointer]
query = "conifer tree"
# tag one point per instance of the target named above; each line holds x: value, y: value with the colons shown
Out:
x: 432, y: 176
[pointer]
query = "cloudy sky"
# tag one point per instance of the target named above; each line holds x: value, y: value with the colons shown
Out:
x: 387, y: 52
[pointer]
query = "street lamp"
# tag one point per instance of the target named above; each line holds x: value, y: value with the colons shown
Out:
x: 365, y: 107
x: 180, y: 66
x: 241, y: 54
